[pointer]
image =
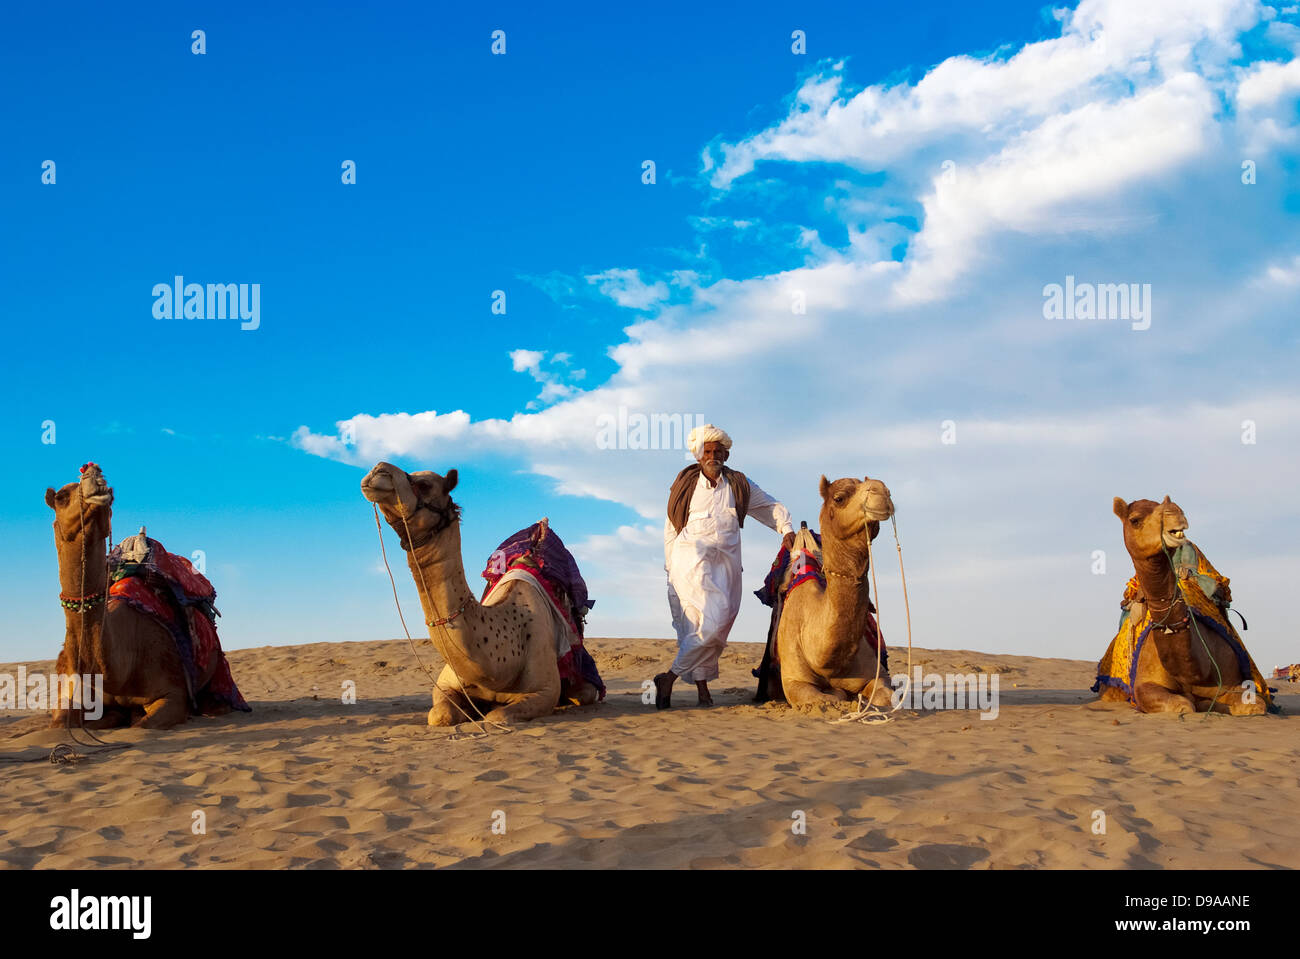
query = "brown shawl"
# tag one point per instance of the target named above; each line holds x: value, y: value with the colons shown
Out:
x: 679, y: 497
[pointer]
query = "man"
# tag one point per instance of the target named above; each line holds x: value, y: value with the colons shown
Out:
x: 707, y: 506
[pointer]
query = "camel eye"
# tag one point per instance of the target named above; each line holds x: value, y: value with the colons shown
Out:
x: 1134, y: 521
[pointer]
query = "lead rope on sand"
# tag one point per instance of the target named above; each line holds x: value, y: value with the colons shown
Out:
x: 867, y: 712
x: 426, y: 595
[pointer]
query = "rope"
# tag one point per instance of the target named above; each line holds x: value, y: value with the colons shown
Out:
x: 439, y: 622
x: 868, y: 713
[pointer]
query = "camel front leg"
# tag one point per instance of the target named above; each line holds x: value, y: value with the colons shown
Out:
x: 1153, y: 698
x: 451, y: 706
x: 521, y: 707
x: 799, y: 692
x: 164, y: 713
x: 1230, y: 701
x: 877, y: 691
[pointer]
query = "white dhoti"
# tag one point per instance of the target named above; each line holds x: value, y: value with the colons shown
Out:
x: 704, y: 572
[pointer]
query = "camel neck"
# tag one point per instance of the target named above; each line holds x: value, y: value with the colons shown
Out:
x: 1155, y: 576
x: 84, y: 640
x: 848, y: 593
x: 440, y: 575
x: 444, y: 593
x: 82, y: 573
x: 849, y: 558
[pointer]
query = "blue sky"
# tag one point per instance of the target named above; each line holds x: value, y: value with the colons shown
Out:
x: 918, y: 176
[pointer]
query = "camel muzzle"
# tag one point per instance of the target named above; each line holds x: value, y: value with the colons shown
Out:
x: 377, y: 482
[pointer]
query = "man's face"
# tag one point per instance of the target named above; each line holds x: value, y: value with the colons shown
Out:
x: 712, y: 456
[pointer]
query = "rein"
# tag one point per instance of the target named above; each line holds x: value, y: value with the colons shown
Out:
x: 445, y: 514
x: 869, y: 713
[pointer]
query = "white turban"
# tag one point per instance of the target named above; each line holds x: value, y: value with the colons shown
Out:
x: 708, y: 433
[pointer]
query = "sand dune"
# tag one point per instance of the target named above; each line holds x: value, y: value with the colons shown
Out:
x: 308, y: 782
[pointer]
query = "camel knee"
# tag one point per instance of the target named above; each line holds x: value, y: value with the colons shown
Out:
x: 1157, y: 699
x: 799, y: 693
x: 879, y: 693
x: 532, y: 706
x: 163, y: 713
x: 442, y: 716
x: 449, y: 708
x: 1246, y: 709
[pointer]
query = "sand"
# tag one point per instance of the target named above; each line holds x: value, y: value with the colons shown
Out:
x: 306, y: 781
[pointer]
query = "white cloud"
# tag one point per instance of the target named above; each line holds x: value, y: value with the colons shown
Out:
x: 1105, y: 153
x: 1068, y: 129
x: 526, y: 361
x: 553, y: 387
x: 1284, y: 273
x: 626, y: 288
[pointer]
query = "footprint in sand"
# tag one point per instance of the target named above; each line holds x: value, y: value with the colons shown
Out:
x: 874, y: 841
x: 946, y: 856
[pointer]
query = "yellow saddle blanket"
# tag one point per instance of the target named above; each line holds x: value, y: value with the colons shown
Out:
x: 1207, y: 596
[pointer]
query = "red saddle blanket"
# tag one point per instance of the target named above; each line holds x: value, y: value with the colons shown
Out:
x: 169, y: 589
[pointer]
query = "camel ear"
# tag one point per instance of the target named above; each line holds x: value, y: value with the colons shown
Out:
x: 1166, y: 500
x: 49, y: 498
x: 450, y: 483
x: 1121, y: 508
x: 824, y: 487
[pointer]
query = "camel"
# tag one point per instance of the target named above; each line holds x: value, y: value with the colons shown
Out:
x: 500, y: 656
x: 135, y: 655
x: 820, y: 640
x: 1176, y: 673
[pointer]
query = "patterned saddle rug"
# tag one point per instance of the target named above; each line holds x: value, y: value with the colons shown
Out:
x: 169, y: 589
x: 539, y: 552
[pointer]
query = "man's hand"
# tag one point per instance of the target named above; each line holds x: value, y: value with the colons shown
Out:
x: 788, y: 541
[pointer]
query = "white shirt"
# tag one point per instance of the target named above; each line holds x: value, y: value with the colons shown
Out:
x: 712, y: 524
x: 703, y: 564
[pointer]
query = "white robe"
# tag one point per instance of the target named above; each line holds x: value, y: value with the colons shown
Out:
x: 703, y: 565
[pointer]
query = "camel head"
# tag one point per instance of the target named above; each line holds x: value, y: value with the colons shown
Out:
x: 1151, y: 527
x: 849, y: 504
x: 83, y: 506
x: 421, y: 501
